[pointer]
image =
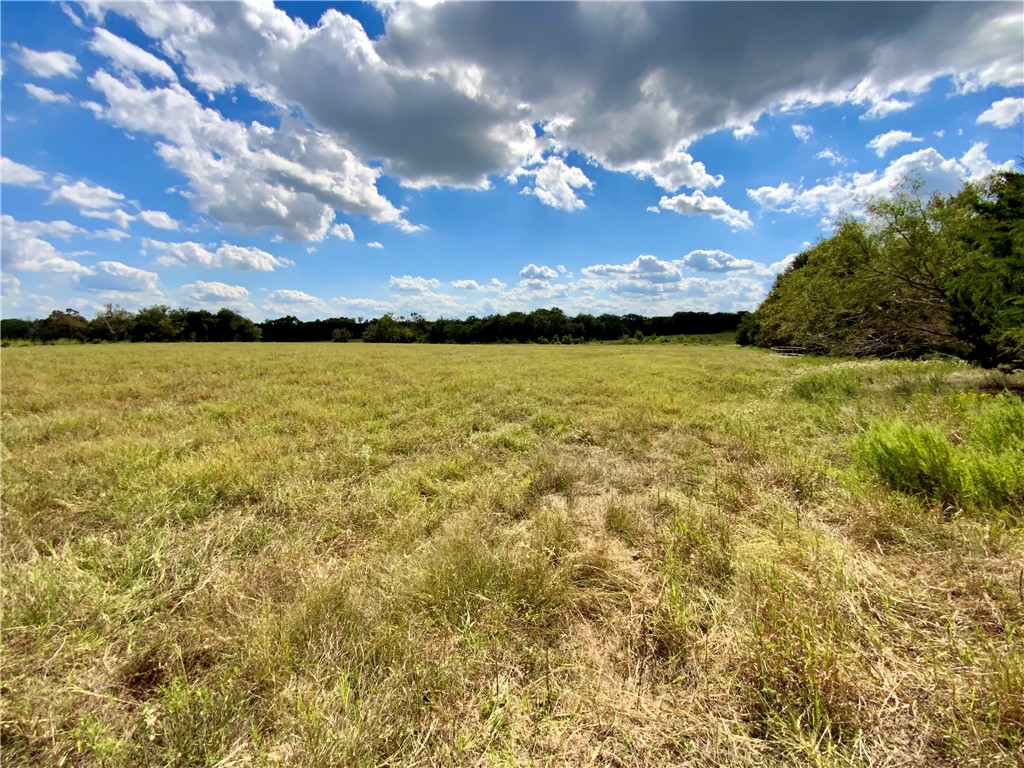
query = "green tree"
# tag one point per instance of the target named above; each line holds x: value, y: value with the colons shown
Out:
x: 157, y: 323
x: 987, y: 289
x: 387, y: 330
x: 68, y: 324
x: 910, y: 277
x: 112, y: 323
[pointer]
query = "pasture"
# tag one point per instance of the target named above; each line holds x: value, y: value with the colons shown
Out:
x: 354, y: 554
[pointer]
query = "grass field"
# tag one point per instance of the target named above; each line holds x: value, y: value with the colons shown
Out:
x: 322, y: 555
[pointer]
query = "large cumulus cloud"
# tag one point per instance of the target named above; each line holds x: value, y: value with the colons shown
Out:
x: 451, y: 93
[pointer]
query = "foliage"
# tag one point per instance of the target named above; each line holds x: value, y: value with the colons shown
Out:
x: 158, y: 323
x: 387, y: 330
x: 541, y: 326
x: 68, y: 324
x: 912, y: 278
x: 983, y: 470
x: 547, y: 326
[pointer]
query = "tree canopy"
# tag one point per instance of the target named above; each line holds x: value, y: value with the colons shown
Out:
x: 160, y: 323
x: 911, y: 277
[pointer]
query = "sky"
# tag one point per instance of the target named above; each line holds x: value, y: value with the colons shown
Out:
x: 453, y: 159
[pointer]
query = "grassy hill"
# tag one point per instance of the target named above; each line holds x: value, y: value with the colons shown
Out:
x: 339, y: 554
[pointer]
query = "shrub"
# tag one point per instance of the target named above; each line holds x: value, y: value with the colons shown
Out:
x: 984, y: 471
x: 909, y: 458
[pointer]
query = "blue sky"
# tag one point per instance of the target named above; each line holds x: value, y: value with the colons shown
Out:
x: 323, y: 159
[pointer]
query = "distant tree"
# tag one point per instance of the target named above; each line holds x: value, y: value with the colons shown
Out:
x: 112, y: 323
x: 388, y: 330
x: 157, y: 323
x: 747, y: 331
x: 341, y: 335
x: 285, y: 328
x: 14, y: 328
x: 231, y: 326
x: 68, y: 324
x: 986, y: 290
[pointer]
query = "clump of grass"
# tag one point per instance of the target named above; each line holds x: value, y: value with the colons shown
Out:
x: 801, y: 683
x: 625, y: 520
x: 984, y: 470
x: 842, y: 384
x: 702, y: 551
x: 909, y: 458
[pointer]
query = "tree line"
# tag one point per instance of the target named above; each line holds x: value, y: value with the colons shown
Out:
x: 161, y: 323
x: 912, y: 277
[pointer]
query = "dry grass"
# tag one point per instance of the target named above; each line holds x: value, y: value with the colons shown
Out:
x: 594, y: 555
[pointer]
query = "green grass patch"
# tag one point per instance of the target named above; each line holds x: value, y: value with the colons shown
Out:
x: 980, y: 469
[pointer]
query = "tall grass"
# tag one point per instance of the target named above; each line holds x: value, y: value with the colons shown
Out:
x: 321, y: 555
x: 980, y: 469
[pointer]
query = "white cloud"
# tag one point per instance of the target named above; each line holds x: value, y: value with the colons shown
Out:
x: 159, y: 219
x: 70, y: 13
x: 291, y: 179
x: 342, y: 232
x: 533, y: 272
x: 494, y: 284
x: 18, y: 175
x: 208, y: 293
x: 555, y: 184
x: 653, y: 209
x: 286, y: 294
x: 227, y: 256
x: 831, y: 157
x: 886, y: 141
x: 415, y: 284
x: 45, y: 95
x: 744, y: 133
x: 361, y: 307
x: 49, y: 63
x: 24, y: 250
x: 119, y: 217
x: 677, y: 169
x: 10, y: 286
x: 286, y: 301
x: 648, y: 269
x: 803, y: 132
x: 849, y: 192
x: 784, y: 263
x: 885, y: 107
x: 715, y: 207
x: 128, y: 57
x: 1004, y: 113
x: 86, y: 196
x: 121, y: 278
x: 374, y: 244
x: 976, y: 161
x: 109, y: 234
x: 715, y: 261
x: 450, y: 93
x: 60, y: 229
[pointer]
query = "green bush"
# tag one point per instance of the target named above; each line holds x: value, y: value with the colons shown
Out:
x: 984, y: 470
x: 909, y: 458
